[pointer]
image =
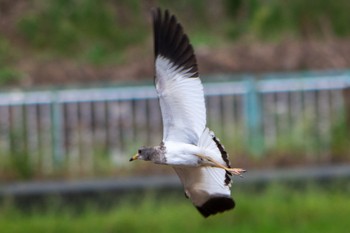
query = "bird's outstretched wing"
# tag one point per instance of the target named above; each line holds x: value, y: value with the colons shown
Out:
x: 177, y: 81
x: 208, y: 187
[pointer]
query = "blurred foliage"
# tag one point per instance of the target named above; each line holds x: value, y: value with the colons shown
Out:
x: 101, y: 31
x: 5, y: 53
x: 304, y: 142
x: 7, y: 73
x: 274, y: 18
x: 95, y: 29
x: 278, y: 208
x: 340, y: 140
x: 89, y: 29
x: 17, y: 163
x: 300, y: 139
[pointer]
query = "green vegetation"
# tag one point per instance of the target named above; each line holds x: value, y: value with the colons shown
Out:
x: 7, y: 73
x: 92, y: 30
x: 277, y: 209
x: 97, y: 33
x: 341, y: 138
x: 277, y: 19
x: 301, y: 142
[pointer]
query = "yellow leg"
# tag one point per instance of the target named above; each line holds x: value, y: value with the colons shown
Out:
x: 234, y: 171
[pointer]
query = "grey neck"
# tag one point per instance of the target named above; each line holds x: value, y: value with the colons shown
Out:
x: 158, y: 155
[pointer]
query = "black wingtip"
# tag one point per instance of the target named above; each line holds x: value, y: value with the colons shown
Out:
x: 216, y: 205
x: 171, y: 42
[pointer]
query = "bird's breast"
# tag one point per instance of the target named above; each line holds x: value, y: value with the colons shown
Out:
x: 182, y: 154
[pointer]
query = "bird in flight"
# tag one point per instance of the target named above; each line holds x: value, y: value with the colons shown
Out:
x: 197, y: 156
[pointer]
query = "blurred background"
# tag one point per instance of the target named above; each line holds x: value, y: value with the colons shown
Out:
x: 77, y: 101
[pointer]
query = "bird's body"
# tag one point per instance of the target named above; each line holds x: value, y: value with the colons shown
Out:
x: 182, y: 154
x: 188, y: 145
x: 179, y: 154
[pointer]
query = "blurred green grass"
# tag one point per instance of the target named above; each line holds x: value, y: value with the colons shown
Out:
x: 275, y: 209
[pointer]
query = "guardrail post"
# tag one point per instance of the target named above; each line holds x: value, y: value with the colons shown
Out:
x: 56, y: 130
x: 253, y: 118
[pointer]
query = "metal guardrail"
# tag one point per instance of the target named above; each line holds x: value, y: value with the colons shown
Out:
x: 302, y: 175
x: 256, y: 114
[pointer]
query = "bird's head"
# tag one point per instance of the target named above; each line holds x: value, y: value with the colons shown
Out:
x: 143, y: 153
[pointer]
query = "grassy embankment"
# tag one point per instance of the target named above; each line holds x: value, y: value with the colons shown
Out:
x: 277, y: 209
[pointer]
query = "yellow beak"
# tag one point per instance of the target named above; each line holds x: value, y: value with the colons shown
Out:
x: 136, y: 156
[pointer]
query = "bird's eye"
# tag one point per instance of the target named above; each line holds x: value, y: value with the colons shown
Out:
x: 139, y: 151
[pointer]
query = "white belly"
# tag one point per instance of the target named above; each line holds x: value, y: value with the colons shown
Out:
x: 182, y: 154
